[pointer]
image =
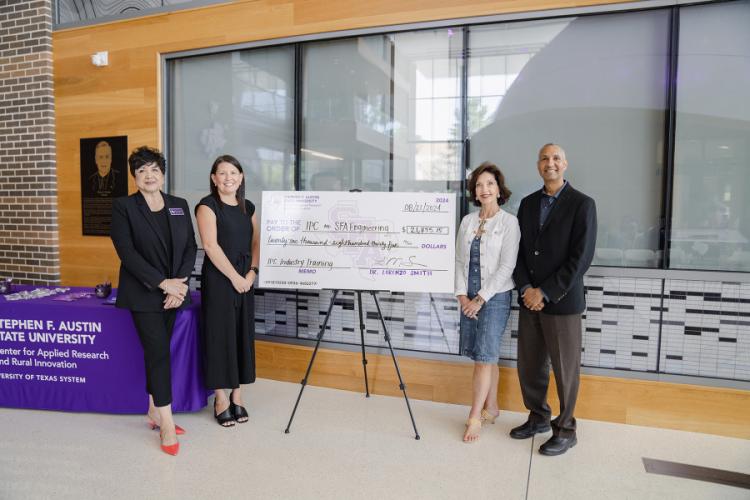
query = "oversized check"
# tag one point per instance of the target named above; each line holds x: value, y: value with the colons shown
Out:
x: 358, y: 241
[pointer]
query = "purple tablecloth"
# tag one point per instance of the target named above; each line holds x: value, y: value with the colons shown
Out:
x: 85, y: 355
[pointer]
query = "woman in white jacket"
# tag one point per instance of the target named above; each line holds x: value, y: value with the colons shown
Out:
x: 486, y: 251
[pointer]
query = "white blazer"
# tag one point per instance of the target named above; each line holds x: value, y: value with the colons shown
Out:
x: 498, y: 250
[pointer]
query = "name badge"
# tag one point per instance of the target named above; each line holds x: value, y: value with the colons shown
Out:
x: 176, y: 211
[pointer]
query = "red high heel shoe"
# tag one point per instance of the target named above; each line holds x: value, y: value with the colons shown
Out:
x: 177, y: 429
x: 170, y: 449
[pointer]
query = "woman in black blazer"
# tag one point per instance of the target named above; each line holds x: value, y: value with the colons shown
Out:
x: 153, y: 235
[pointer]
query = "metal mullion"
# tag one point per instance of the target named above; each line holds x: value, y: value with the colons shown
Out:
x: 392, y: 110
x: 670, y: 135
x: 167, y: 145
x: 465, y: 154
x: 669, y: 151
x: 297, y: 116
x: 297, y: 150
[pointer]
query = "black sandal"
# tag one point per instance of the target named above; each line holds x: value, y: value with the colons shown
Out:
x: 224, y: 418
x: 239, y: 412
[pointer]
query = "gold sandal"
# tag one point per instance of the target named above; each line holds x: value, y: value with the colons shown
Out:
x: 470, y: 422
x: 489, y: 417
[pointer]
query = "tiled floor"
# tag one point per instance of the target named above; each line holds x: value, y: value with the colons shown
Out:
x: 344, y: 446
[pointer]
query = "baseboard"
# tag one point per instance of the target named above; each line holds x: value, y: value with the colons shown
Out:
x: 694, y: 408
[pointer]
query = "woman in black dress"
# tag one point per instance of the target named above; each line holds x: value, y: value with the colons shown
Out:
x: 153, y: 235
x: 229, y: 232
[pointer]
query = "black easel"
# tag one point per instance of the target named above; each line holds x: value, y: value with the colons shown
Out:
x: 401, y: 385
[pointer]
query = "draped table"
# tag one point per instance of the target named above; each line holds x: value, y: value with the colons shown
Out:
x: 84, y: 355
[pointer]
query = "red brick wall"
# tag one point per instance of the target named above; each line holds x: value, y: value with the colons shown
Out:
x: 29, y: 250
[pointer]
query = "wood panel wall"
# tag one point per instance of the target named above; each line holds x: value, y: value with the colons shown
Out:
x: 627, y: 401
x: 124, y: 97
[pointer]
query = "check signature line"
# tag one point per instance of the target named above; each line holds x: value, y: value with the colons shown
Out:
x: 426, y: 211
x: 296, y: 266
x: 406, y: 269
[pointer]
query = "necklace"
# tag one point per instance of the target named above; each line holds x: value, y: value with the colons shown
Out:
x: 480, y: 229
x: 482, y: 222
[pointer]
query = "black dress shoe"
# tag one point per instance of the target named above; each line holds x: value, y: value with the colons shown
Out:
x: 557, y: 445
x: 528, y: 429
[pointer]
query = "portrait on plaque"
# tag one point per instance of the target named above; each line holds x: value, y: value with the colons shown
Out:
x: 104, y: 176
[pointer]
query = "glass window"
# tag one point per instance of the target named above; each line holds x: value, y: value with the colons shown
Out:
x: 346, y: 131
x: 383, y: 113
x: 427, y: 115
x: 711, y: 208
x: 595, y: 85
x: 239, y: 103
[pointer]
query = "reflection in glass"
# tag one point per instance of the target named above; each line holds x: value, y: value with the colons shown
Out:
x: 239, y: 103
x: 596, y: 86
x: 427, y: 93
x: 383, y: 112
x: 711, y: 210
x: 346, y: 114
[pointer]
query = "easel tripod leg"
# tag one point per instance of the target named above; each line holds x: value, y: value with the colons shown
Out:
x: 312, y: 359
x: 362, y: 339
x: 401, y: 384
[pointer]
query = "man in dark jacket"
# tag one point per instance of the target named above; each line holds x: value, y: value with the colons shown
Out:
x: 558, y: 236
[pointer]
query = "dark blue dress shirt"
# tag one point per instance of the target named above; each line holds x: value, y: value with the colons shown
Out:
x: 547, y: 203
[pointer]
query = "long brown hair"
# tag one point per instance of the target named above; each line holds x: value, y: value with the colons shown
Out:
x: 240, y: 194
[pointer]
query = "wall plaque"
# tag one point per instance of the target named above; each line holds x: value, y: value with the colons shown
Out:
x: 104, y: 176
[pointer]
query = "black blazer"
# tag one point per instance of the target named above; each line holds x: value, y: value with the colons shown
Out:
x: 143, y: 250
x: 556, y: 256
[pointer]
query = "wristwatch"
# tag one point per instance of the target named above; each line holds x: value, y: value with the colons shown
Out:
x: 254, y: 268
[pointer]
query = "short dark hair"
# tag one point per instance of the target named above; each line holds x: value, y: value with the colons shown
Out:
x: 553, y: 144
x: 240, y: 194
x: 504, y: 192
x: 145, y: 155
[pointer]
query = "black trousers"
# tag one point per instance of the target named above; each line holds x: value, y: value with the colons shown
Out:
x: 155, y: 331
x: 545, y: 339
